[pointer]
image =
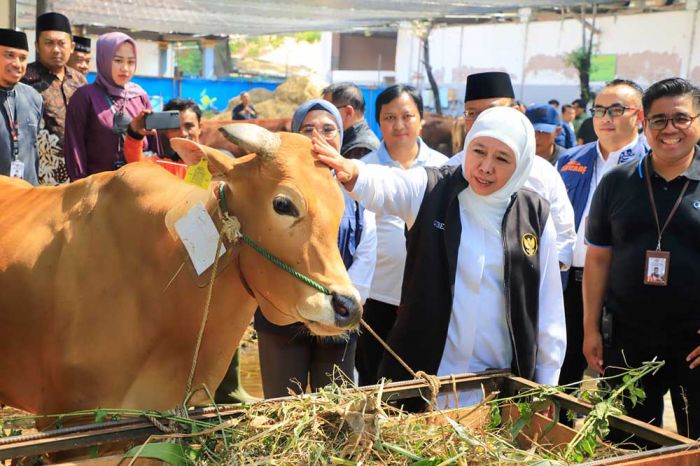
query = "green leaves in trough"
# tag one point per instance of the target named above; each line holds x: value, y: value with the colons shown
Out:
x: 171, y: 453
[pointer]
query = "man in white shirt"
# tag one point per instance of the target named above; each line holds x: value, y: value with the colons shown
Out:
x: 617, y: 115
x: 494, y: 89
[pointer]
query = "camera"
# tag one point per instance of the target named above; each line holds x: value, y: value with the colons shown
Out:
x: 162, y: 120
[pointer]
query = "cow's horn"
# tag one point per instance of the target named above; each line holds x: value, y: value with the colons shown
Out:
x: 252, y: 138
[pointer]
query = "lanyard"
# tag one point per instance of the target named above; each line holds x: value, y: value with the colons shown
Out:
x: 660, y: 229
x: 14, y: 127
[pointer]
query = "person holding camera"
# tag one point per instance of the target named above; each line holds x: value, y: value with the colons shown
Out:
x: 180, y: 118
x: 99, y: 114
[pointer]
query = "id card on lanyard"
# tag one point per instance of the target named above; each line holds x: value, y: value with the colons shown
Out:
x: 657, y: 262
x: 16, y: 166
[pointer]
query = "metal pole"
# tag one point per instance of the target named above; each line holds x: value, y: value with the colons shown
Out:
x: 12, y: 23
x: 43, y: 6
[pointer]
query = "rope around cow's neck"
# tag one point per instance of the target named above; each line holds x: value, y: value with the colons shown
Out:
x: 227, y: 219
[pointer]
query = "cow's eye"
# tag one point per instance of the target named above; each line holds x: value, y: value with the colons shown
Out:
x: 284, y: 206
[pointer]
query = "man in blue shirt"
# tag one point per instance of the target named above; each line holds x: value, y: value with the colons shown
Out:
x: 20, y: 110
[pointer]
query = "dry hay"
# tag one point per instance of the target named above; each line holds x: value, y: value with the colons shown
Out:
x: 257, y: 95
x: 348, y: 426
x: 283, y: 101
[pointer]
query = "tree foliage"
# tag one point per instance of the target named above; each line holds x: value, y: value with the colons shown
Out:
x: 580, y: 58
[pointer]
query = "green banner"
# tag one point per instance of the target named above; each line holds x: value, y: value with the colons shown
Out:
x: 603, y: 67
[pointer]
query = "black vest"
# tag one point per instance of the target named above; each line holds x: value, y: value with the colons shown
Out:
x: 420, y: 331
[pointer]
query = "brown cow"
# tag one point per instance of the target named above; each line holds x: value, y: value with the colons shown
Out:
x: 437, y: 132
x: 89, y: 316
x: 212, y: 137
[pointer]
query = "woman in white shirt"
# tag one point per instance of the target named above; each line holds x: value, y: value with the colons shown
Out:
x: 481, y: 286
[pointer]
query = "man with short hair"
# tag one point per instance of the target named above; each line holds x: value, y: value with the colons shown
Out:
x: 554, y: 103
x: 567, y: 137
x: 80, y: 59
x: 56, y: 82
x: 244, y: 110
x: 20, y: 110
x: 579, y: 106
x: 190, y: 119
x: 616, y: 113
x: 494, y: 89
x: 358, y: 138
x: 646, y: 215
x: 545, y: 120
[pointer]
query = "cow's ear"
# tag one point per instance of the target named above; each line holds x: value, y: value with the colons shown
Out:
x: 192, y: 153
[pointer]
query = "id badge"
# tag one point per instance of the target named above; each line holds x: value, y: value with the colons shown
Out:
x: 17, y: 169
x: 656, y: 266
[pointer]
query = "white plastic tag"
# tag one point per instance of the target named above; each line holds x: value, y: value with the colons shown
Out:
x: 198, y: 233
x: 17, y: 169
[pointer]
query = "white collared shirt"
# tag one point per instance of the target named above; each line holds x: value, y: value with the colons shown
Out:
x: 545, y: 180
x: 601, y: 167
x: 361, y: 271
x: 391, y: 241
x: 477, y: 336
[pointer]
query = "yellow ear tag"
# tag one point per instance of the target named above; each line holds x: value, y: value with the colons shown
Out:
x: 198, y: 174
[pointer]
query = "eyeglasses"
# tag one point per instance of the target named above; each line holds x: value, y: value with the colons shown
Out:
x: 328, y: 132
x: 612, y: 111
x: 471, y: 114
x: 680, y: 121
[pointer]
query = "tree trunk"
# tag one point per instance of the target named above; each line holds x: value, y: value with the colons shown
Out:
x: 429, y: 72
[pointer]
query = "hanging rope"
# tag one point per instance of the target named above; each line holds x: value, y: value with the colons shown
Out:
x: 432, y: 380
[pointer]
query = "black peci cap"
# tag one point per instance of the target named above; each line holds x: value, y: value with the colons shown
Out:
x: 489, y: 85
x: 52, y: 22
x: 82, y: 44
x: 14, y: 39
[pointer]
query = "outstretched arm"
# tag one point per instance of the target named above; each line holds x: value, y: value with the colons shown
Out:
x: 380, y: 189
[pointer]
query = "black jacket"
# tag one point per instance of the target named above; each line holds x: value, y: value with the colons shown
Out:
x: 420, y: 331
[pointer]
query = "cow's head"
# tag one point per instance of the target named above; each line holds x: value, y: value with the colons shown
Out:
x: 291, y: 206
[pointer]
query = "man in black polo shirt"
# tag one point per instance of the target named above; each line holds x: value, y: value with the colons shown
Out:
x: 643, y: 256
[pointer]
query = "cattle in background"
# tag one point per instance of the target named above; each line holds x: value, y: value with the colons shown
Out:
x: 459, y: 133
x: 437, y: 132
x: 212, y: 137
x: 95, y: 310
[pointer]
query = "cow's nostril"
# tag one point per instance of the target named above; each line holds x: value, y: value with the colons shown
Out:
x: 341, y: 304
x: 347, y: 310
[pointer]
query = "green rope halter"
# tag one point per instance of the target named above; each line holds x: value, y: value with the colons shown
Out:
x: 266, y: 254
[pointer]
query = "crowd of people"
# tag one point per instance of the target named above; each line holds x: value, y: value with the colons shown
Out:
x: 544, y: 246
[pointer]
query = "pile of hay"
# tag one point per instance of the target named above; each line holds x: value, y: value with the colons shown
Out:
x: 283, y: 101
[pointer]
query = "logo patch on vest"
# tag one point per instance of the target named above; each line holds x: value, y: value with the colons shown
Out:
x: 439, y: 225
x: 529, y: 242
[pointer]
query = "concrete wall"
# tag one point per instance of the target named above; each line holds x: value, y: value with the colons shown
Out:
x: 648, y: 47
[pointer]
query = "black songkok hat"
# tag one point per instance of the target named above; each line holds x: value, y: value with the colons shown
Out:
x: 490, y: 85
x: 52, y: 22
x: 14, y: 39
x: 82, y: 44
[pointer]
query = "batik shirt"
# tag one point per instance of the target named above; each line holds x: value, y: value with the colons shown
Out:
x: 56, y: 95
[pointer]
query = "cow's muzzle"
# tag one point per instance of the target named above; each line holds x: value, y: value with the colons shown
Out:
x: 348, y: 310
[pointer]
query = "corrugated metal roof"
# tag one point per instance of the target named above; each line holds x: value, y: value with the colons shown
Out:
x: 255, y: 17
